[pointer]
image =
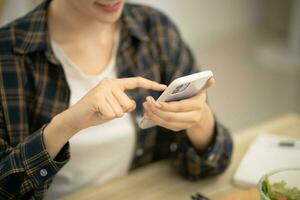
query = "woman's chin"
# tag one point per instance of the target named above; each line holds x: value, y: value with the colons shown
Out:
x: 108, y: 20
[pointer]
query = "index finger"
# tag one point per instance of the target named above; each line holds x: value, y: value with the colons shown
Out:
x: 139, y: 82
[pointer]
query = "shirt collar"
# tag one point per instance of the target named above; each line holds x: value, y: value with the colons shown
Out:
x: 134, y: 24
x: 31, y: 32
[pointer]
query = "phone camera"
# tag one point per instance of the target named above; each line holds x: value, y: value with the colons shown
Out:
x: 180, y: 88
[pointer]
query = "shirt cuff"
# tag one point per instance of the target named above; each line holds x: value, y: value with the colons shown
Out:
x: 38, y: 164
x: 220, y: 148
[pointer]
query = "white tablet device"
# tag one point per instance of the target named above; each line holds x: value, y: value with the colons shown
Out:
x: 181, y: 88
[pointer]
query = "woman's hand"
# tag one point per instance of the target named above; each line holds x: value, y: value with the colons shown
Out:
x: 103, y: 103
x: 192, y: 114
x: 107, y: 101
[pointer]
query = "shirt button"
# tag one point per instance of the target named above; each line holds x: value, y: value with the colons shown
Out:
x: 211, y: 157
x: 139, y: 152
x: 173, y: 147
x: 43, y: 172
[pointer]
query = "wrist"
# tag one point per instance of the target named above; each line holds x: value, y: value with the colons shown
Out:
x: 202, y: 133
x: 56, y: 134
x: 63, y: 124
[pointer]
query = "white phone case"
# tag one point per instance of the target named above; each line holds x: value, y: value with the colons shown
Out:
x: 181, y: 88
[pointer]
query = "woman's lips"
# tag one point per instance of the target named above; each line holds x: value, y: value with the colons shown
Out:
x: 109, y: 7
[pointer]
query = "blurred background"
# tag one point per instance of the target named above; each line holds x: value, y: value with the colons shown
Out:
x: 252, y: 46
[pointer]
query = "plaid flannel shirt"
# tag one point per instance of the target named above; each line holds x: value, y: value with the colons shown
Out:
x: 34, y: 89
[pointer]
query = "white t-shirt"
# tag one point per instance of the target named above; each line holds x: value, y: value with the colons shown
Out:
x: 98, y: 153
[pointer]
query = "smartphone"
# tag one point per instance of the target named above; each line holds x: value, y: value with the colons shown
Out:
x: 181, y: 88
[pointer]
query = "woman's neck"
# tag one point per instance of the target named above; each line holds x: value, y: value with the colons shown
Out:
x: 67, y: 24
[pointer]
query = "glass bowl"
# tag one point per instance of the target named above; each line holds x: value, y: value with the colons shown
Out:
x: 286, y: 180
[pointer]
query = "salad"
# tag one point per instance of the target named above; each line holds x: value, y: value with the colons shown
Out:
x: 279, y: 191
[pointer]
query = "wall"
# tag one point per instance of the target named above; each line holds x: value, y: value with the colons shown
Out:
x: 202, y: 20
x: 13, y: 9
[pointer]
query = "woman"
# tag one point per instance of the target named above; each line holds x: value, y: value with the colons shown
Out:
x: 71, y: 85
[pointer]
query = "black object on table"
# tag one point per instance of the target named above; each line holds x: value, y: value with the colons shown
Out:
x: 199, y: 196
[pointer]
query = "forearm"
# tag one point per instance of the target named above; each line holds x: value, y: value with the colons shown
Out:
x: 201, y: 134
x: 56, y: 134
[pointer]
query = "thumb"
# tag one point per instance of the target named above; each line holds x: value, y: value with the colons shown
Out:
x: 208, y: 85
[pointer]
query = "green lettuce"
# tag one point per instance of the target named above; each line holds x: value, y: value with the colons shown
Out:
x: 279, y: 191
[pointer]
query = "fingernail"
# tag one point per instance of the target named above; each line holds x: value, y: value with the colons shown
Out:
x: 145, y: 106
x: 154, y: 102
x: 149, y: 102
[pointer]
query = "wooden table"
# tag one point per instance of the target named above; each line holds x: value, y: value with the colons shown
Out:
x: 160, y: 181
